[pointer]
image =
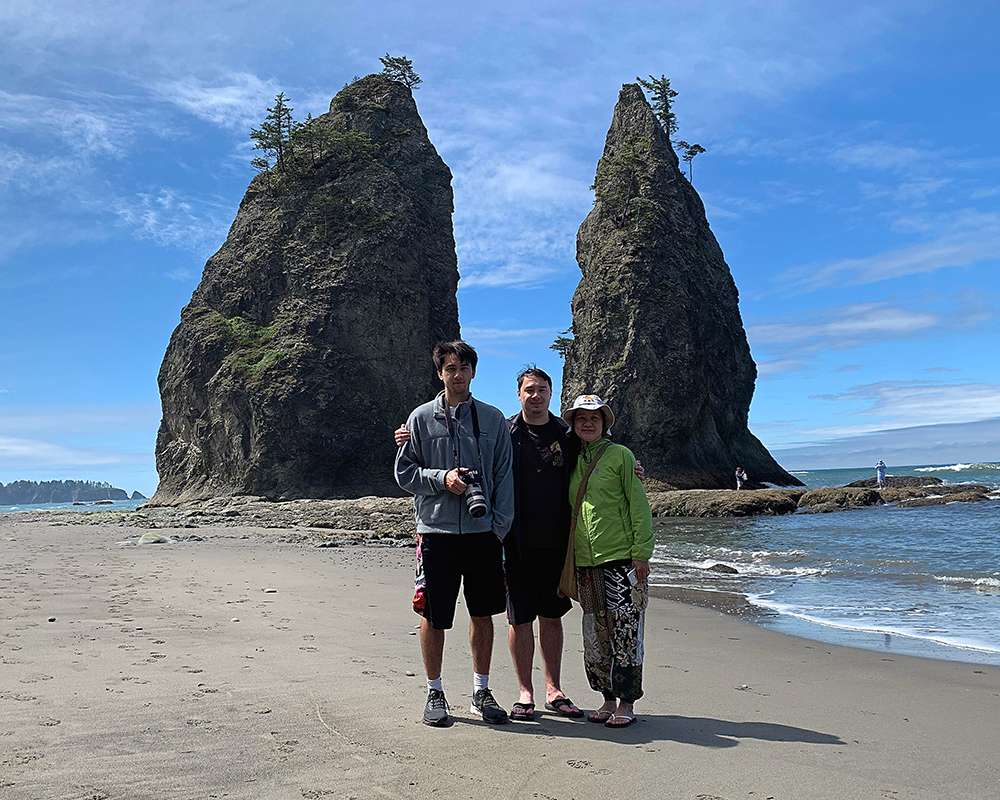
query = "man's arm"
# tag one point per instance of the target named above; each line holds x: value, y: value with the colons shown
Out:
x: 503, y: 481
x: 410, y: 473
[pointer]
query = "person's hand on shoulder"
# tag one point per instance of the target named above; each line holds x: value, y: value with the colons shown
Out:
x: 401, y: 435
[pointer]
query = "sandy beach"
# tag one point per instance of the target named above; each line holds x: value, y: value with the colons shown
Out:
x: 237, y: 665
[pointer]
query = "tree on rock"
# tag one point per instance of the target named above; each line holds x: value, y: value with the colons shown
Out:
x: 690, y: 151
x: 663, y: 101
x: 274, y: 135
x: 400, y: 69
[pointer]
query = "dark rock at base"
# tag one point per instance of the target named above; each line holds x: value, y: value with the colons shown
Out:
x: 309, y: 337
x: 656, y: 327
x: 724, y: 502
x: 954, y: 497
x: 839, y: 498
x: 723, y: 569
x: 896, y: 495
x: 897, y: 482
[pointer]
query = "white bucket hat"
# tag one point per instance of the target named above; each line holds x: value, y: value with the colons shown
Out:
x: 593, y: 402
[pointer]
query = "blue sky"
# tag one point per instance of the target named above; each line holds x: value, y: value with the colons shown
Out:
x: 852, y: 179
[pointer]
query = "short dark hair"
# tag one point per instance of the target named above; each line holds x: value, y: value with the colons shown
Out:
x: 461, y: 350
x: 534, y: 372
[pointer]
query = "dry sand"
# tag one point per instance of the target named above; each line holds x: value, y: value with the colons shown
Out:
x: 170, y: 672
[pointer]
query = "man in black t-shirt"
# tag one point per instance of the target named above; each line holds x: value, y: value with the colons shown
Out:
x: 535, y: 550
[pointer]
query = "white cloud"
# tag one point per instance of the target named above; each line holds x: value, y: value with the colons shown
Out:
x: 967, y: 237
x: 31, y: 454
x: 171, y: 220
x: 902, y: 404
x: 96, y: 125
x: 237, y: 101
x: 493, y: 334
x: 845, y: 326
x: 929, y: 444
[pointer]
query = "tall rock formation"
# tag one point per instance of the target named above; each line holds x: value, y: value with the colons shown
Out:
x: 309, y: 337
x: 656, y: 321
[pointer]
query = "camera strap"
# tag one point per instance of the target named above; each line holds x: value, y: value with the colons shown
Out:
x: 453, y: 435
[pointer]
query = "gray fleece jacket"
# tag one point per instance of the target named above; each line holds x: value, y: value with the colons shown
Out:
x: 422, y: 463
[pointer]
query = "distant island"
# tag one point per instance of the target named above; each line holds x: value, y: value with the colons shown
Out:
x: 31, y: 492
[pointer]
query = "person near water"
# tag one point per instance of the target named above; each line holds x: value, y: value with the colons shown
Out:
x: 460, y: 541
x: 880, y: 475
x: 741, y: 477
x: 612, y: 542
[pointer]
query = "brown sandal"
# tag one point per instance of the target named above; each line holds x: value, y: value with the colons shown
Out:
x: 600, y: 717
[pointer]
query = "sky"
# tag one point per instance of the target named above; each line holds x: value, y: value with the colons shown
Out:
x: 851, y: 176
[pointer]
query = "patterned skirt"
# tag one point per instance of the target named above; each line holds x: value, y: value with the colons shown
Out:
x: 613, y: 616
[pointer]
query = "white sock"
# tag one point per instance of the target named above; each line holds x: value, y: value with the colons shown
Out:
x: 435, y: 684
x: 480, y: 681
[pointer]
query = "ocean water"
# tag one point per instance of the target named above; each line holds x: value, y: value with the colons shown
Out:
x: 117, y: 505
x: 916, y: 581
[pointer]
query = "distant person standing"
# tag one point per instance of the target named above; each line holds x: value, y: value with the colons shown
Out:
x: 741, y: 477
x: 880, y: 475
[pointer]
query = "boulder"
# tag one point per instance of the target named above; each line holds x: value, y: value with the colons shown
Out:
x: 656, y: 327
x: 724, y: 502
x: 308, y: 339
x: 897, y: 482
x: 952, y: 497
x: 839, y: 498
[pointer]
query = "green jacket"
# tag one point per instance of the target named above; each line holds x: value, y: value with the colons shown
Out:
x: 615, y: 522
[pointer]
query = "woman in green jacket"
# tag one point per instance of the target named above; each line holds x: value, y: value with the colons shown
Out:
x: 613, y: 543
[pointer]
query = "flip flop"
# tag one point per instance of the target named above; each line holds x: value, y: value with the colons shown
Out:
x: 523, y: 711
x: 619, y: 722
x: 600, y: 717
x: 563, y: 706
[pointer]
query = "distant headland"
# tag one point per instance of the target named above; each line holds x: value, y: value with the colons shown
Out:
x: 33, y: 492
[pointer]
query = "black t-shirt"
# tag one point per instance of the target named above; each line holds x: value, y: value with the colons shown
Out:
x: 544, y: 506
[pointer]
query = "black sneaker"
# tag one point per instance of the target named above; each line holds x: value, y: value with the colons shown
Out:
x: 488, y: 708
x: 436, y: 710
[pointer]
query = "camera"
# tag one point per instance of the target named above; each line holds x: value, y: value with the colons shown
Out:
x: 475, y: 499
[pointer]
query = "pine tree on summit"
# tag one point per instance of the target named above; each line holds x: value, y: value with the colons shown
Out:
x: 400, y: 69
x: 663, y: 100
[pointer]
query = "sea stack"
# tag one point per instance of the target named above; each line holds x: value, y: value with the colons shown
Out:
x: 656, y: 328
x: 308, y: 339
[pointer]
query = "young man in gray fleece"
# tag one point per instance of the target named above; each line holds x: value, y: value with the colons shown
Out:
x: 460, y: 543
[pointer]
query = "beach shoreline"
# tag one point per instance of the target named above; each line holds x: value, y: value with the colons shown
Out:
x: 238, y: 663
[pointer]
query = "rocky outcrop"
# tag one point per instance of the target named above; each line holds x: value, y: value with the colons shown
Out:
x: 891, y: 495
x: 898, y: 482
x: 943, y: 500
x: 309, y: 336
x: 656, y: 322
x: 724, y: 503
x: 838, y: 499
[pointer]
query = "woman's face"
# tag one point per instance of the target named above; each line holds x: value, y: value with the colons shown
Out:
x: 588, y: 424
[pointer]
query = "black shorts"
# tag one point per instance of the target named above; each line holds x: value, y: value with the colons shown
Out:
x: 533, y: 584
x: 474, y: 560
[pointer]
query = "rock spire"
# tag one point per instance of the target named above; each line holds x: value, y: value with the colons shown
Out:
x: 656, y: 321
x: 309, y: 336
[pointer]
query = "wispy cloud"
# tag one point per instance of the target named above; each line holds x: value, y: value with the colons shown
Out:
x: 236, y: 101
x: 966, y: 237
x: 900, y: 404
x: 950, y: 443
x: 500, y: 334
x: 170, y: 219
x: 846, y: 326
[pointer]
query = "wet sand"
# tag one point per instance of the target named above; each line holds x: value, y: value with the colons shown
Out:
x: 241, y: 666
